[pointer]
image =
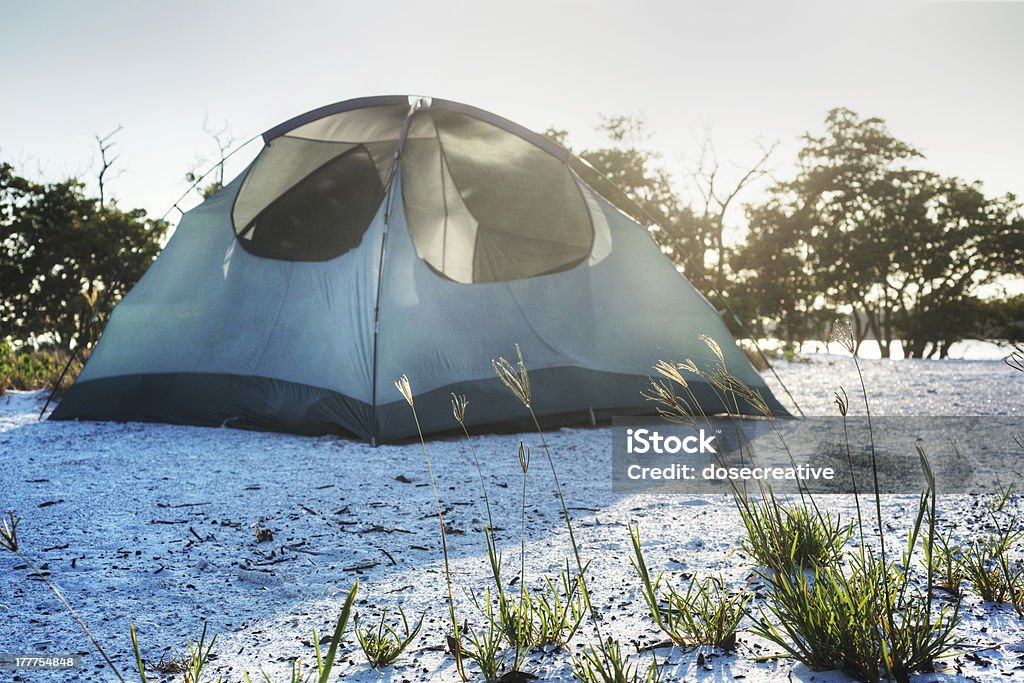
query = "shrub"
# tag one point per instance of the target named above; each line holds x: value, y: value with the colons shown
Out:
x: 839, y: 617
x: 25, y: 370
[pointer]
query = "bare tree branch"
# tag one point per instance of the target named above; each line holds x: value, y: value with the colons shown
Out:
x: 716, y: 202
x: 224, y: 140
x: 105, y: 144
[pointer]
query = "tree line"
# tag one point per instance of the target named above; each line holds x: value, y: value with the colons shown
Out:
x: 860, y: 228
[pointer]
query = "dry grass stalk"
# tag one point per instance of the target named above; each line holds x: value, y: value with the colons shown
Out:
x: 9, y: 541
x: 670, y: 406
x: 517, y: 379
x: 405, y: 389
x: 459, y: 405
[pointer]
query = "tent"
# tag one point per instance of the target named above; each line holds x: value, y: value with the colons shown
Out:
x: 390, y: 235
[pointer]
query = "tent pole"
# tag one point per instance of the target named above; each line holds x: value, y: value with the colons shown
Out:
x: 392, y: 179
x: 60, y: 378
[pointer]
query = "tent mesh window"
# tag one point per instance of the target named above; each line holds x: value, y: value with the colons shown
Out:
x: 313, y: 192
x: 485, y: 205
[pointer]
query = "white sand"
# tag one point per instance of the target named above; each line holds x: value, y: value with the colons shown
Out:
x: 128, y: 503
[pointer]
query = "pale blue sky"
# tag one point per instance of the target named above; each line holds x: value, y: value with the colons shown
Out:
x: 947, y: 76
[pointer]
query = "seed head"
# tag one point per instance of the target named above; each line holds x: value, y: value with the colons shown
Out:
x: 689, y: 366
x: 524, y: 457
x: 459, y: 404
x: 9, y: 532
x: 842, y: 332
x: 842, y: 400
x: 729, y: 384
x: 515, y: 377
x: 671, y: 371
x: 715, y: 348
x: 402, y: 384
x: 670, y: 407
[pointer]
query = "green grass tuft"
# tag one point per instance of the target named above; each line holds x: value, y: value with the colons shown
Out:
x: 383, y: 644
x: 706, y: 614
x: 605, y: 663
x: 787, y: 537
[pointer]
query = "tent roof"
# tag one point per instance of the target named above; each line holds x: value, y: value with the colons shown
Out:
x: 421, y: 104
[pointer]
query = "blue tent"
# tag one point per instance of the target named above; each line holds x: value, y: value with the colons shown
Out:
x: 392, y: 235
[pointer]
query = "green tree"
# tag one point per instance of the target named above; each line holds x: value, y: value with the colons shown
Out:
x: 65, y: 260
x: 862, y: 229
x: 776, y: 290
x: 1002, y: 319
x: 963, y: 240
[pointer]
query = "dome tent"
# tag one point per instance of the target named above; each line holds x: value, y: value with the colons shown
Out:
x: 386, y: 236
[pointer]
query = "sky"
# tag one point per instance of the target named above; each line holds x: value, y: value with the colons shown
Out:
x: 946, y: 76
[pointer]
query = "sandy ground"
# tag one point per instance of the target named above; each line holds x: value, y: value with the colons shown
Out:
x: 155, y: 525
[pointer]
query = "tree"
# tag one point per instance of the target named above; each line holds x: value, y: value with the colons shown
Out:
x: 1002, y: 319
x: 631, y: 176
x: 964, y: 241
x: 776, y: 289
x: 862, y: 230
x: 65, y: 260
x: 717, y: 199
